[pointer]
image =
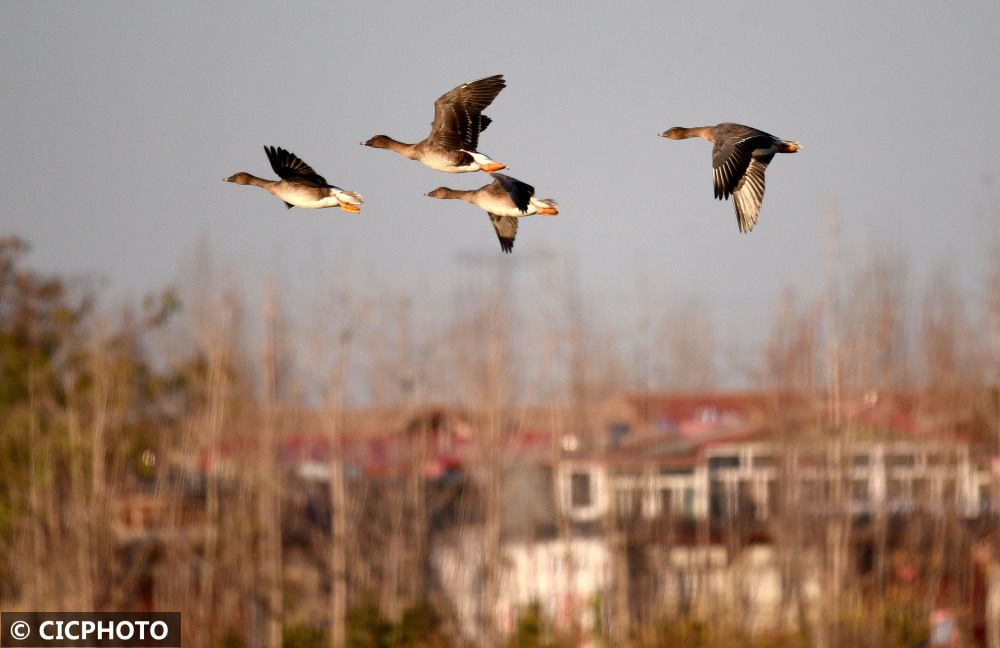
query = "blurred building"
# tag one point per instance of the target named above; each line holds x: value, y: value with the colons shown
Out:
x: 651, y: 504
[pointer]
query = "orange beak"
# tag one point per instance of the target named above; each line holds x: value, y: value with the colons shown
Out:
x: 492, y: 165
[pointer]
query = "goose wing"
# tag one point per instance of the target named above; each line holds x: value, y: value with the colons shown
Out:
x: 749, y: 193
x: 458, y: 117
x: 731, y: 155
x: 506, y: 227
x: 290, y: 167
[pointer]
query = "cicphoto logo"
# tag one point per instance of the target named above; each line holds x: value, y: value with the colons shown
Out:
x: 79, y: 629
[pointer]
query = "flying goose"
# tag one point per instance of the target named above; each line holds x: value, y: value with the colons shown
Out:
x: 299, y: 186
x: 505, y: 200
x: 739, y: 158
x: 454, y: 137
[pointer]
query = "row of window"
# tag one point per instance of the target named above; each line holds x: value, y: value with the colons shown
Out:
x: 752, y: 479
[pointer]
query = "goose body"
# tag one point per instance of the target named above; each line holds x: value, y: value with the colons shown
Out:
x: 454, y: 137
x: 740, y: 156
x: 299, y: 186
x: 505, y: 200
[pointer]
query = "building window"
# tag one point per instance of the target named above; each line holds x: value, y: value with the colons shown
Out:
x: 689, y: 499
x: 717, y: 499
x: 666, y: 503
x: 897, y: 489
x: 859, y: 490
x: 580, y: 489
x: 676, y: 470
x: 949, y: 492
x: 723, y: 461
x: 775, y: 497
x: 745, y: 501
x: 942, y: 459
x: 617, y: 431
x: 902, y: 460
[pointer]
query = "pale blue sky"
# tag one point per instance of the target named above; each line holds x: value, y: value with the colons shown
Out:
x: 119, y: 121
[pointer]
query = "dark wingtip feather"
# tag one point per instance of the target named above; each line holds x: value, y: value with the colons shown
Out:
x: 519, y: 192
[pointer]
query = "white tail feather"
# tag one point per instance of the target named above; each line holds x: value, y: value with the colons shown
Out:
x: 351, y: 197
x: 545, y: 206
